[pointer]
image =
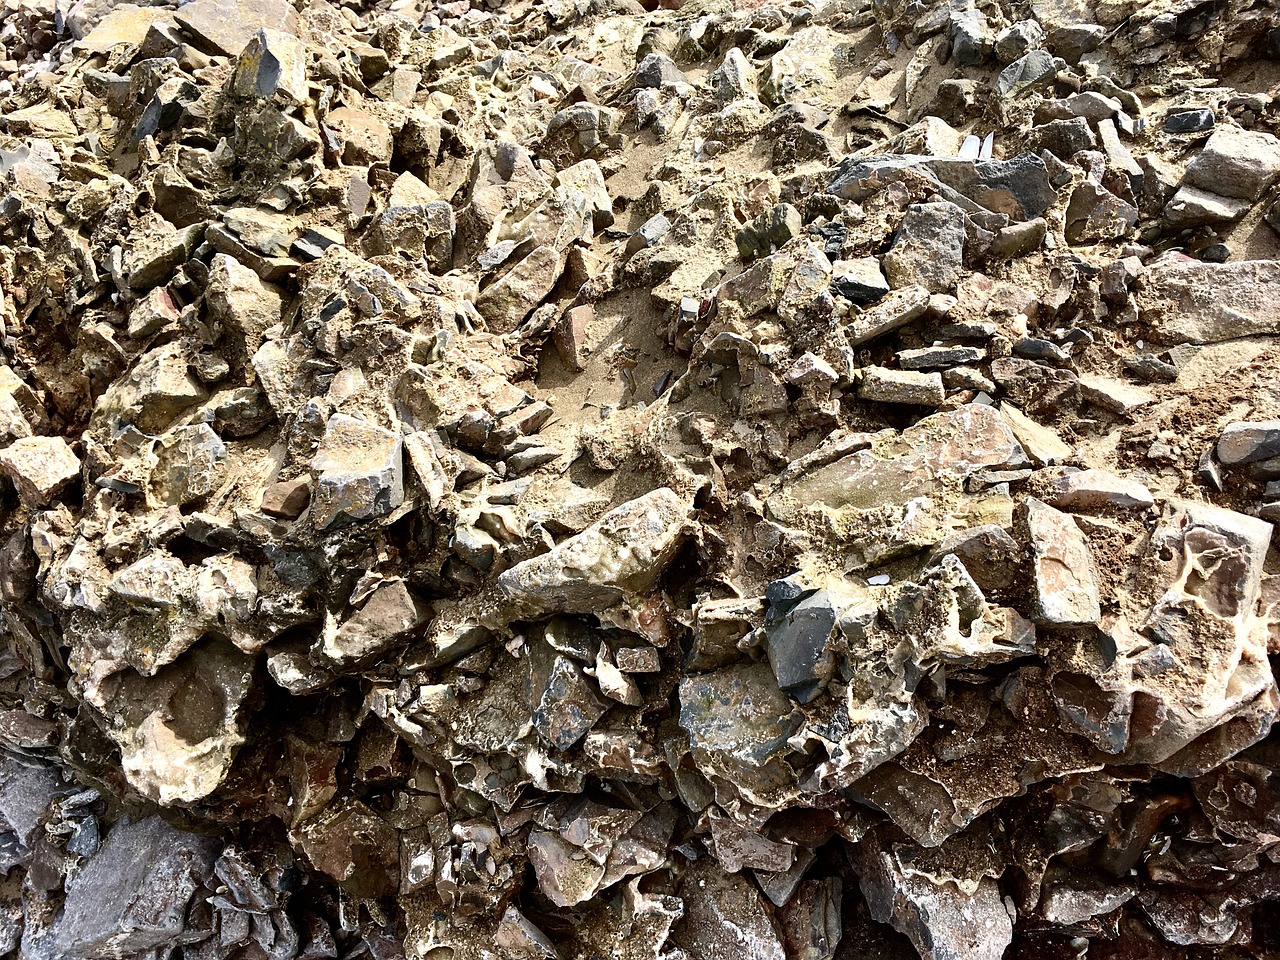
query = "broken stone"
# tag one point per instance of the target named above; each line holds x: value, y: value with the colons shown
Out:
x: 359, y: 470
x: 1066, y: 578
x: 40, y: 467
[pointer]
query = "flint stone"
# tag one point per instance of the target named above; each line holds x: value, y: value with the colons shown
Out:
x: 227, y: 26
x: 1190, y: 121
x: 391, y: 613
x: 1018, y: 187
x: 736, y: 718
x: 1187, y: 301
x: 564, y: 707
x: 1247, y: 442
x: 928, y: 249
x: 1236, y: 163
x: 133, y: 895
x: 354, y: 846
x: 658, y: 70
x: 941, y: 920
x: 506, y: 302
x: 1039, y: 67
x: 272, y: 62
x: 735, y: 78
x: 287, y: 499
x: 1066, y: 579
x: 243, y: 303
x: 725, y: 916
x: 944, y: 447
x: 798, y: 646
x: 860, y: 281
x: 40, y: 467
x: 625, y: 551
x: 972, y: 41
x: 359, y: 471
x: 938, y: 358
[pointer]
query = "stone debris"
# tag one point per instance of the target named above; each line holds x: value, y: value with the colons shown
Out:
x: 702, y: 478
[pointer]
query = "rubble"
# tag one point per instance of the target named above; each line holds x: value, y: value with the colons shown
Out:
x: 645, y: 480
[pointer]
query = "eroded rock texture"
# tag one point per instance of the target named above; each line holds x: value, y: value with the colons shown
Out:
x: 651, y: 480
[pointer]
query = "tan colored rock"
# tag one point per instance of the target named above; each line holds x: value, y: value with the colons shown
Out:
x: 40, y: 467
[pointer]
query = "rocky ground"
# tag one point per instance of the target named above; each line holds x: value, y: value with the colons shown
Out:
x: 566, y: 479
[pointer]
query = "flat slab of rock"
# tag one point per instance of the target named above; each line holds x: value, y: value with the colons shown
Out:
x: 1098, y: 489
x: 1066, y: 578
x: 1187, y: 301
x: 227, y: 26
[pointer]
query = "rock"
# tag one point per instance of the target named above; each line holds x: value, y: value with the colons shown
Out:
x: 725, y: 913
x: 928, y: 250
x: 227, y: 28
x: 1190, y: 207
x: 1066, y: 578
x: 359, y: 471
x: 354, y: 846
x: 798, y: 636
x: 390, y: 613
x: 1187, y: 301
x: 1033, y: 69
x: 582, y: 131
x: 648, y: 234
x: 1236, y: 163
x: 1189, y: 121
x: 40, y: 467
x: 1242, y: 443
x: 623, y: 553
x: 507, y: 302
x: 362, y: 137
x: 882, y: 385
x: 769, y: 231
x: 735, y: 78
x: 134, y: 893
x: 860, y: 281
x: 272, y: 63
x: 658, y: 70
x: 972, y: 40
x: 287, y: 498
x: 241, y: 302
x: 942, y: 920
x: 1018, y: 39
x: 893, y: 311
x: 1098, y: 489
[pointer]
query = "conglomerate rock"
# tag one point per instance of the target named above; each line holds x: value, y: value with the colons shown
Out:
x: 656, y: 480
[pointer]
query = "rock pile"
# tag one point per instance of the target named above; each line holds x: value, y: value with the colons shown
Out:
x: 590, y: 478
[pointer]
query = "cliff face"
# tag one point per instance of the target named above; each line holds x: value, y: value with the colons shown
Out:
x: 564, y: 480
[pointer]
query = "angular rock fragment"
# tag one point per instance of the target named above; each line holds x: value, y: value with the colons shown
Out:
x: 359, y: 470
x: 1066, y: 578
x: 40, y: 467
x: 623, y: 553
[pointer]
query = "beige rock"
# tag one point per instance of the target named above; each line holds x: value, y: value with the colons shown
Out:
x: 40, y: 467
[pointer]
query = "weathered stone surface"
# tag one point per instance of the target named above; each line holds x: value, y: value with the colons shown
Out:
x: 929, y: 248
x: 40, y: 467
x: 228, y: 27
x: 133, y: 895
x: 1236, y: 163
x: 1186, y: 301
x: 359, y: 470
x: 625, y: 552
x: 1066, y: 578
